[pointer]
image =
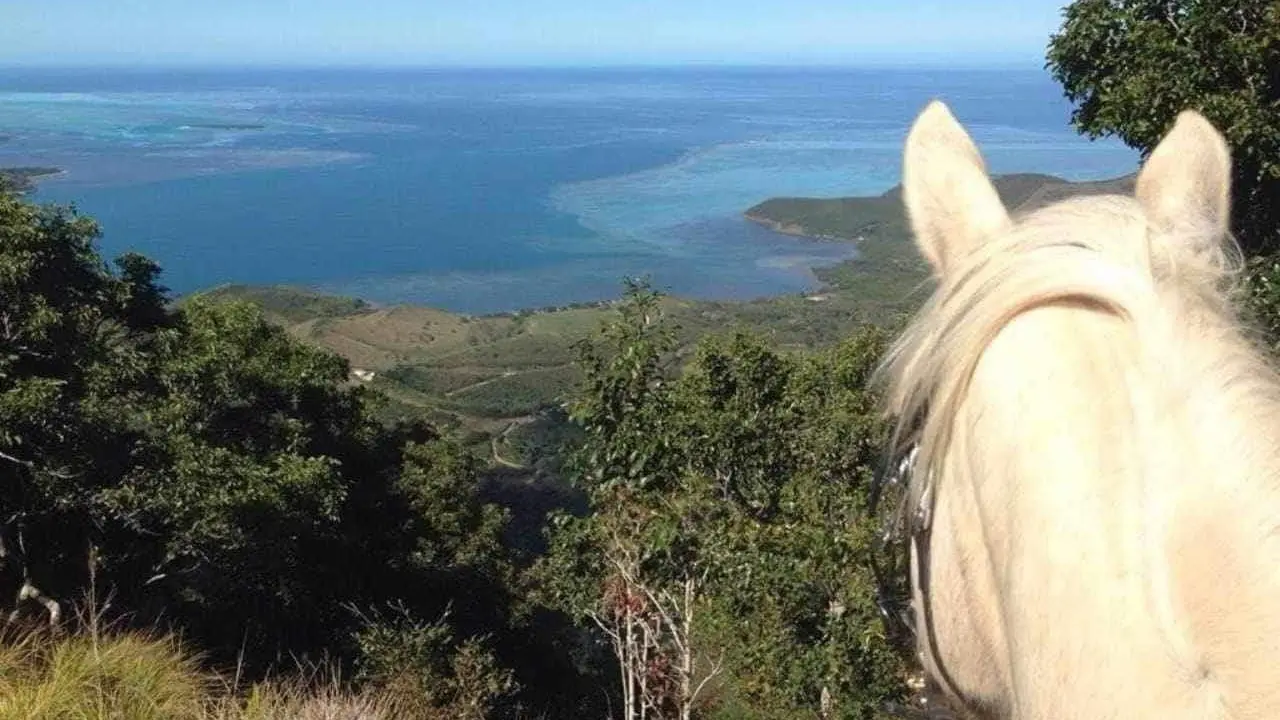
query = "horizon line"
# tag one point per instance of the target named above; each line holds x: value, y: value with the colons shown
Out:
x: 885, y: 64
x: 927, y: 60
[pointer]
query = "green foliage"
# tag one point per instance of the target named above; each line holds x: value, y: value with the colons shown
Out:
x: 514, y: 395
x: 1132, y: 65
x: 22, y: 179
x: 211, y: 473
x: 289, y: 304
x: 449, y: 534
x: 539, y: 442
x: 746, y: 479
x: 1261, y: 297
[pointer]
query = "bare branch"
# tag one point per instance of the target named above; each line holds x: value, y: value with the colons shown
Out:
x: 30, y: 465
x: 716, y: 668
x: 613, y: 635
x: 667, y: 616
x: 24, y: 463
x: 33, y: 593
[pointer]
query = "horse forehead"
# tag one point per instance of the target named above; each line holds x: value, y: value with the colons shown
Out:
x: 1100, y: 219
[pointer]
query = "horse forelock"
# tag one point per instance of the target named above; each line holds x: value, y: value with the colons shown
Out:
x: 1085, y: 252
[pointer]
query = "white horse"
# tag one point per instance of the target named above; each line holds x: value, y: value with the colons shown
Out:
x: 1098, y: 445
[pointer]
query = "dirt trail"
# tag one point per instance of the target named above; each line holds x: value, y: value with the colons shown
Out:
x: 502, y: 437
x: 482, y: 383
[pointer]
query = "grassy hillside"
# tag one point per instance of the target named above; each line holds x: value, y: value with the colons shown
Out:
x: 490, y: 376
x: 288, y: 305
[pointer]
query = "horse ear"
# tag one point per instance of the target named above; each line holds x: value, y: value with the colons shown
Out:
x: 951, y: 203
x: 1184, y: 187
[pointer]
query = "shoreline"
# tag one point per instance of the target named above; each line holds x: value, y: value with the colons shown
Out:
x: 795, y: 230
x: 366, y: 305
x: 874, y: 225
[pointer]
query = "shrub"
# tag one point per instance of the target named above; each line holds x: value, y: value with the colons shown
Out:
x: 426, y: 673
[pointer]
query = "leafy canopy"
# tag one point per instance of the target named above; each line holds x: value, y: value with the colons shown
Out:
x: 1130, y: 66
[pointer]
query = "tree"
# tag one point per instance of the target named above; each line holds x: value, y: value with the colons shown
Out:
x: 629, y: 568
x: 723, y: 555
x: 70, y: 369
x: 789, y: 443
x: 1130, y: 66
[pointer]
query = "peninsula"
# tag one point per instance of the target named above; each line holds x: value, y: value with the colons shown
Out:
x: 883, y: 216
x: 23, y: 179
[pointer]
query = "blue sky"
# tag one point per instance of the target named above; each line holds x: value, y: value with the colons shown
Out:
x: 524, y: 32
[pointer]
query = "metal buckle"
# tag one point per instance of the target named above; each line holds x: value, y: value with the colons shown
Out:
x: 893, y: 600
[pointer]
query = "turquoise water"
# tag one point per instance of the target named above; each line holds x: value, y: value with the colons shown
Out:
x: 483, y: 191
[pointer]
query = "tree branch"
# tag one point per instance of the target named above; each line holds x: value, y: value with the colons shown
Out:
x: 30, y: 592
x: 716, y: 668
x: 17, y: 461
x: 30, y: 465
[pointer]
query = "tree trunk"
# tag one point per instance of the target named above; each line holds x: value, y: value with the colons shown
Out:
x: 686, y: 654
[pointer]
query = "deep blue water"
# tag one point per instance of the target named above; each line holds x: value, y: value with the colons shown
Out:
x: 487, y: 190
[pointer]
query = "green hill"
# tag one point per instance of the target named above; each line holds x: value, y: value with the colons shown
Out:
x: 888, y: 264
x: 882, y: 216
x: 485, y: 374
x: 289, y: 305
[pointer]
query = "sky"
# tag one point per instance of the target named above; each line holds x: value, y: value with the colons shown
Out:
x: 524, y: 32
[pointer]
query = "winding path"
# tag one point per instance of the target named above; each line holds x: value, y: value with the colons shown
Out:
x: 501, y: 437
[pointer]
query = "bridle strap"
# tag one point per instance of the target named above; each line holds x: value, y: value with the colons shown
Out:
x: 911, y: 531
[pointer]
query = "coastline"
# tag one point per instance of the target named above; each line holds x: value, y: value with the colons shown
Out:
x: 792, y: 229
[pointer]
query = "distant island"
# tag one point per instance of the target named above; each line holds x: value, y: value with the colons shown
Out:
x: 23, y: 179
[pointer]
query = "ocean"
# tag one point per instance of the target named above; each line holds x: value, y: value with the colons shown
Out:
x: 492, y: 190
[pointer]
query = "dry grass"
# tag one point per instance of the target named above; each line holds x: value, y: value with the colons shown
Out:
x: 81, y: 677
x: 136, y: 676
x: 302, y: 701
